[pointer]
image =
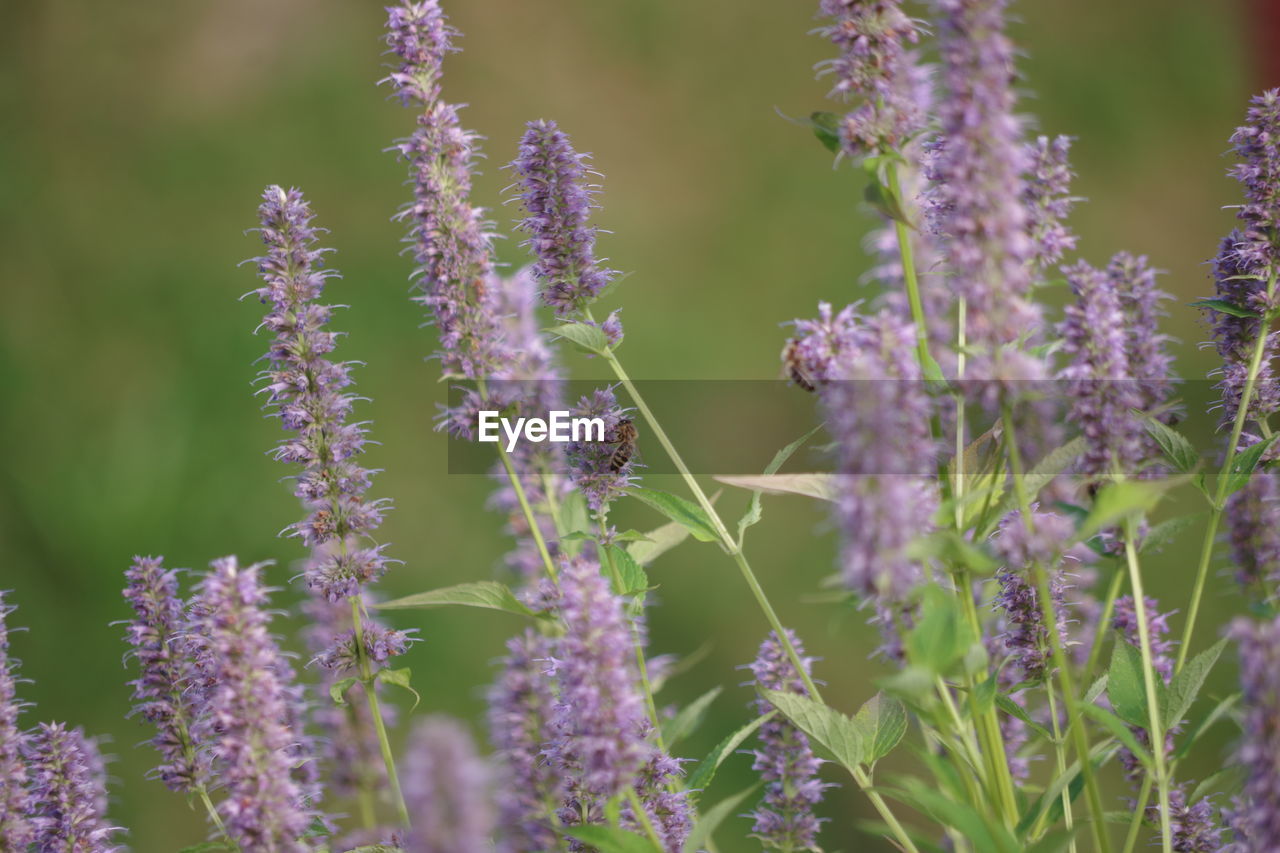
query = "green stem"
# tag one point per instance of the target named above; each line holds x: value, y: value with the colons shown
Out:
x: 1135, y: 824
x: 907, y: 254
x: 1220, y: 497
x: 642, y: 816
x: 375, y: 710
x: 1099, y: 638
x: 1047, y: 605
x: 1155, y: 727
x: 203, y: 792
x: 1060, y: 756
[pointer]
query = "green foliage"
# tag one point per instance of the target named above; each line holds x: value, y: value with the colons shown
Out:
x: 1225, y: 307
x: 1177, y: 450
x: 1246, y: 462
x: 632, y: 579
x: 702, y: 775
x: 1126, y: 687
x: 688, y: 515
x: 611, y: 839
x: 713, y: 817
x: 941, y: 636
x: 755, y: 510
x: 882, y: 721
x: 1186, y: 685
x: 657, y: 542
x: 838, y: 734
x: 584, y: 336
x: 399, y: 678
x: 826, y: 127
x: 489, y: 595
x: 690, y: 717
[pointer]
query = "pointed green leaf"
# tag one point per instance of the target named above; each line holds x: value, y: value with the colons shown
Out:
x: 1185, y: 686
x: 338, y: 690
x: 702, y: 775
x: 820, y: 486
x: 941, y: 636
x: 1121, y: 732
x: 631, y: 576
x: 1189, y: 738
x: 689, y: 718
x: 712, y: 818
x: 584, y: 335
x: 755, y: 511
x: 1225, y: 307
x: 611, y: 839
x: 399, y: 678
x: 680, y: 511
x: 826, y: 127
x: 1119, y: 500
x: 1246, y: 462
x: 840, y: 735
x: 883, y: 721
x: 1181, y: 455
x: 1013, y: 709
x: 489, y: 595
x: 1126, y: 687
x: 658, y: 542
x: 1226, y: 779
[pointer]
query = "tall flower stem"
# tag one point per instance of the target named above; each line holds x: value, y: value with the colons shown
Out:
x: 734, y: 550
x: 1155, y: 727
x: 1220, y: 495
x: 912, y: 281
x: 375, y: 710
x: 1139, y: 814
x: 1050, y: 610
x: 1108, y: 609
x: 209, y: 807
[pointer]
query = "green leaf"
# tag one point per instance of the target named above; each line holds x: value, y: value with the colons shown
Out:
x: 1225, y: 307
x: 820, y: 486
x: 690, y: 717
x: 1054, y: 841
x: 1181, y: 455
x: 701, y: 777
x: 826, y: 126
x: 1188, y: 739
x: 1185, y: 686
x: 985, y: 835
x: 1013, y: 709
x: 680, y: 511
x: 657, y: 542
x: 841, y: 736
x: 399, y: 678
x: 1095, y: 690
x: 755, y: 511
x: 584, y: 335
x: 1044, y: 472
x: 338, y: 690
x: 1167, y: 531
x: 712, y: 818
x: 1119, y: 500
x: 983, y: 697
x: 1245, y: 462
x: 611, y: 839
x: 885, y: 202
x: 955, y: 550
x: 941, y: 636
x: 1121, y: 732
x: 1125, y: 685
x: 574, y: 523
x: 632, y: 579
x: 883, y: 721
x: 489, y: 595
x: 1226, y: 779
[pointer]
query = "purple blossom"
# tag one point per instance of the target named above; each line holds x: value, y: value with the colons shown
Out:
x: 598, y: 724
x: 978, y: 200
x: 668, y: 808
x: 558, y: 201
x: 1099, y: 378
x: 784, y: 818
x: 1257, y: 144
x: 1125, y: 620
x: 16, y: 831
x: 249, y: 711
x: 594, y: 467
x: 520, y: 710
x: 68, y: 792
x: 446, y: 788
x: 878, y: 413
x: 1253, y: 522
x: 1256, y: 815
x: 166, y: 691
x: 1048, y: 199
x: 1150, y: 363
x: 1195, y: 829
x: 450, y: 238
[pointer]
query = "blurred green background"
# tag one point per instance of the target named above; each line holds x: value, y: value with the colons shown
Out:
x: 139, y: 135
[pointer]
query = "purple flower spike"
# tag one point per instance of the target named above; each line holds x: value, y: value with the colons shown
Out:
x: 16, y: 831
x: 166, y: 690
x: 520, y: 709
x: 1150, y: 364
x: 978, y: 204
x: 784, y: 819
x: 599, y: 722
x: 601, y: 470
x: 1125, y: 621
x: 68, y: 792
x: 446, y: 787
x: 557, y: 199
x: 249, y: 711
x: 1253, y: 519
x: 1048, y: 199
x: 1255, y: 817
x: 1257, y: 144
x: 452, y: 243
x: 1195, y: 827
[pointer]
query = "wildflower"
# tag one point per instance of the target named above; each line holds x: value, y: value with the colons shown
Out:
x: 1257, y: 144
x: 446, y: 788
x: 1048, y: 200
x: 1253, y: 519
x: 249, y: 713
x: 784, y: 819
x: 16, y: 831
x: 1125, y: 621
x: 1256, y: 816
x: 68, y: 792
x: 593, y: 465
x: 1150, y: 364
x: 520, y: 710
x: 1194, y: 828
x: 558, y: 201
x: 166, y: 690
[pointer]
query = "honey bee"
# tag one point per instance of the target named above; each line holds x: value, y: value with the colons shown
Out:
x: 794, y: 367
x: 625, y: 435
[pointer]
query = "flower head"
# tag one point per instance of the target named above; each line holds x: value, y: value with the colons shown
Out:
x: 602, y: 470
x: 1048, y: 199
x: 446, y: 787
x: 1256, y: 816
x: 1253, y: 520
x: 68, y: 792
x: 16, y: 831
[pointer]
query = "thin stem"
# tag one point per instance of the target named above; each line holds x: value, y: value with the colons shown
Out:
x: 375, y: 709
x: 1155, y: 727
x: 1060, y: 756
x: 907, y: 254
x: 1139, y: 814
x: 1050, y: 610
x: 203, y: 792
x: 1220, y: 497
x: 642, y: 816
x: 1099, y: 638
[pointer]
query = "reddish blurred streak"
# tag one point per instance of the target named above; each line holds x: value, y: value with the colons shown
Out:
x: 1264, y: 29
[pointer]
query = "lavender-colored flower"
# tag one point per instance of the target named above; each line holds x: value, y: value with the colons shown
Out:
x: 1257, y: 144
x: 68, y: 792
x: 667, y: 807
x: 558, y: 201
x: 1125, y: 620
x: 1099, y: 377
x: 1150, y: 364
x: 520, y: 709
x: 166, y: 690
x: 1194, y: 827
x: 598, y: 725
x: 784, y: 818
x: 978, y: 200
x: 446, y: 788
x: 451, y: 239
x: 1025, y: 634
x: 594, y: 467
x: 1256, y: 816
x: 16, y: 831
x: 878, y: 413
x: 1253, y: 520
x: 249, y: 711
x: 1048, y: 199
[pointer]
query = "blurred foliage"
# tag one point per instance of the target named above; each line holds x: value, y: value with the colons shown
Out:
x: 138, y: 136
